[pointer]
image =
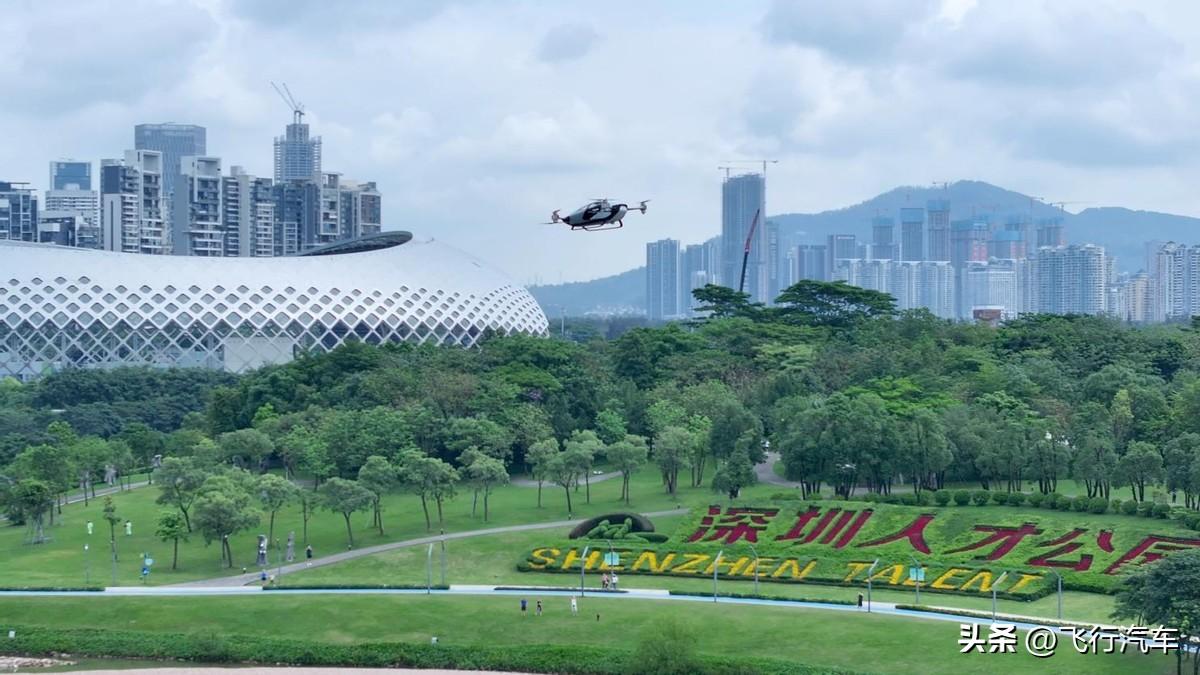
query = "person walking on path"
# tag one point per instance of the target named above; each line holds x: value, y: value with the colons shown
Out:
x: 539, y: 608
x: 523, y: 606
x: 574, y: 607
x: 308, y: 554
x: 604, y: 581
x: 613, y: 582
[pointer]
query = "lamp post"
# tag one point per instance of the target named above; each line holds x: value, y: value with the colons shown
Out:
x: 995, y: 584
x: 870, y: 571
x: 87, y: 566
x: 755, y: 552
x: 716, y: 568
x: 1059, y: 593
x: 582, y: 569
x: 429, y: 570
x: 918, y: 571
x: 443, y: 557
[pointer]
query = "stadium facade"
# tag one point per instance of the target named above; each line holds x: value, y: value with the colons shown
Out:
x: 67, y: 307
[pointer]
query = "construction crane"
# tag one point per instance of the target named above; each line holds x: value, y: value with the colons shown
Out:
x: 1062, y: 206
x: 746, y: 250
x: 945, y: 185
x: 296, y: 107
x: 764, y: 163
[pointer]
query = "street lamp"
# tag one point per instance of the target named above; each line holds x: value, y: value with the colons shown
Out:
x: 582, y: 569
x: 87, y: 566
x: 443, y: 557
x: 755, y: 552
x: 870, y: 571
x: 918, y: 572
x: 429, y: 570
x: 996, y: 584
x: 716, y: 568
x: 1059, y: 593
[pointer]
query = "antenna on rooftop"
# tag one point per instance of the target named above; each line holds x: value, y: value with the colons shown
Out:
x: 296, y: 107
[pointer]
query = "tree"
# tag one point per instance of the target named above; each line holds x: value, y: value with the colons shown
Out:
x: 430, y: 479
x: 224, y: 507
x: 538, y: 458
x: 110, y: 515
x: 246, y: 448
x: 180, y: 479
x: 172, y: 528
x: 928, y: 453
x: 30, y: 500
x: 1140, y: 465
x: 722, y: 302
x: 582, y: 448
x: 345, y: 497
x: 673, y: 449
x: 736, y: 473
x: 482, y: 434
x: 1182, y: 454
x: 89, y: 455
x: 274, y: 492
x: 1166, y: 593
x: 307, y: 452
x: 379, y: 476
x: 485, y: 473
x: 309, y: 500
x: 830, y: 303
x: 628, y: 455
x: 563, y: 472
x: 610, y: 426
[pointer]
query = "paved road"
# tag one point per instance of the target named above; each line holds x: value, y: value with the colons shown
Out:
x: 243, y: 579
x: 599, y: 478
x: 766, y: 472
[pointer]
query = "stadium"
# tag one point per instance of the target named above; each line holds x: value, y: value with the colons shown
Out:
x: 66, y: 307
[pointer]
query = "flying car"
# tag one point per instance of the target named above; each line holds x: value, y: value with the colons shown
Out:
x: 597, y: 216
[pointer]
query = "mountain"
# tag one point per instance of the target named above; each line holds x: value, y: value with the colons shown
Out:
x: 623, y: 293
x: 1123, y: 232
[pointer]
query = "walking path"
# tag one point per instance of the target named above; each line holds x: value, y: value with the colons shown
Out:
x: 251, y: 577
x: 766, y: 472
x: 598, y: 478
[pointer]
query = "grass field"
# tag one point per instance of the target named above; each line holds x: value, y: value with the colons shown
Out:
x: 64, y: 562
x: 492, y: 560
x: 855, y: 641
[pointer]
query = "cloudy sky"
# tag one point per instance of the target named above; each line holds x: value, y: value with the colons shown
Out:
x: 477, y: 118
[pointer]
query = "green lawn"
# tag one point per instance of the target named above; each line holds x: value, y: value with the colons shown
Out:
x: 63, y: 561
x: 492, y: 559
x: 872, y: 643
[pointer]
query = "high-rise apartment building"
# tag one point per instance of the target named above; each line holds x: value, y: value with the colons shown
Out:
x: 698, y: 265
x: 812, y: 262
x: 1006, y: 244
x: 174, y: 142
x: 247, y: 215
x: 883, y: 244
x: 912, y: 233
x: 131, y: 204
x: 662, y: 279
x: 297, y: 155
x: 67, y: 228
x: 995, y: 284
x: 938, y: 212
x: 197, y: 228
x: 840, y: 247
x: 1050, y: 232
x: 742, y: 198
x: 361, y: 208
x: 1071, y: 279
x: 69, y: 174
x: 924, y: 283
x: 1174, y: 282
x: 18, y: 212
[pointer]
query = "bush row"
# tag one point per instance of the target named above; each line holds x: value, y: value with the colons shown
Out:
x: 286, y: 585
x: 762, y: 596
x: 216, y: 648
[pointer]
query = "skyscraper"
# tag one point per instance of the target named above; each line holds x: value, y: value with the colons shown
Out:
x: 131, y: 203
x: 68, y: 174
x: 812, y: 262
x: 992, y: 284
x: 297, y: 155
x: 938, y: 211
x: 839, y: 247
x: 196, y: 222
x: 883, y: 246
x: 18, y: 212
x: 174, y: 141
x: 662, y: 279
x: 927, y: 283
x: 247, y: 215
x: 912, y: 235
x: 1050, y: 232
x: 361, y: 208
x: 741, y: 198
x: 698, y: 265
x: 1071, y: 279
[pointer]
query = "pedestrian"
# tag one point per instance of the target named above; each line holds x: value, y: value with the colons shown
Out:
x: 308, y: 554
x: 604, y: 581
x: 614, y: 581
x: 128, y: 528
x: 538, y: 610
x: 90, y: 526
x: 523, y: 607
x: 574, y: 607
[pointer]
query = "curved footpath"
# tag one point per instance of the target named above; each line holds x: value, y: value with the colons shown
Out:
x: 251, y: 577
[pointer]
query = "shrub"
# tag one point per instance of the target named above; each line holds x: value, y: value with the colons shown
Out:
x: 962, y: 497
x: 1098, y: 505
x: 942, y: 497
x: 1129, y: 508
x: 1016, y: 498
x: 1052, y: 499
x: 925, y: 498
x: 1036, y: 499
x: 1145, y: 509
x: 669, y: 648
x: 890, y: 499
x: 981, y: 497
x: 1080, y: 504
x: 1065, y: 503
x: 872, y: 497
x: 1000, y: 498
x: 908, y: 499
x: 1114, y: 505
x: 1161, y: 510
x: 1192, y: 520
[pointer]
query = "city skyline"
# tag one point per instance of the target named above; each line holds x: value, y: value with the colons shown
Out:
x: 848, y: 109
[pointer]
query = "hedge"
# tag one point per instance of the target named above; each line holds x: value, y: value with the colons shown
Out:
x: 215, y: 648
x: 761, y: 596
x: 350, y: 587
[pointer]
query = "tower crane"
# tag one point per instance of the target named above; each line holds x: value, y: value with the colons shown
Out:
x: 296, y: 107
